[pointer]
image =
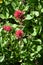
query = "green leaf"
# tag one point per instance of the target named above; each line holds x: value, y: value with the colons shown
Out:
x: 39, y: 48
x: 28, y: 17
x: 25, y: 40
x: 7, y: 15
x: 32, y: 54
x: 24, y: 64
x: 38, y: 40
x: 13, y: 5
x: 2, y: 58
x: 36, y: 13
x: 34, y: 33
x: 42, y: 10
x: 39, y: 6
x: 26, y: 8
x: 14, y: 25
x: 2, y: 16
x: 36, y: 30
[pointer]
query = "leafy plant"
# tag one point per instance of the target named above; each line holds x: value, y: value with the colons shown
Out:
x: 21, y: 32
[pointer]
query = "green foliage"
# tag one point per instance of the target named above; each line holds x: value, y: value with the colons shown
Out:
x: 27, y: 49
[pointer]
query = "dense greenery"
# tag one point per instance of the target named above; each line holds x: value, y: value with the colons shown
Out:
x: 28, y: 49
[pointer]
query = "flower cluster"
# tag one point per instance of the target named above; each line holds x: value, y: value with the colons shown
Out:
x: 18, y: 33
x: 19, y: 14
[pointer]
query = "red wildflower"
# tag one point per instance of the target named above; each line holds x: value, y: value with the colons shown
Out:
x: 7, y: 28
x: 19, y: 33
x: 19, y: 14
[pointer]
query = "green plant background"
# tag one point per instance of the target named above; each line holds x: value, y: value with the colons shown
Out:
x: 29, y: 49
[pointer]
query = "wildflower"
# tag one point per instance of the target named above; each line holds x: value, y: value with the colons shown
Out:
x: 7, y: 28
x: 19, y: 14
x: 19, y: 33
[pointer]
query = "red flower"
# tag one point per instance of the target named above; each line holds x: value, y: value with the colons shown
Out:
x: 19, y: 33
x: 7, y: 28
x: 19, y: 14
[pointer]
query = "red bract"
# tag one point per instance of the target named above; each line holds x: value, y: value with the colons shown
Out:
x: 19, y: 14
x: 19, y: 33
x: 7, y: 28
